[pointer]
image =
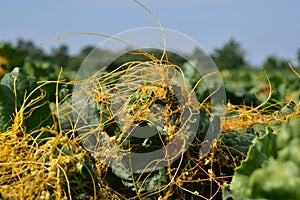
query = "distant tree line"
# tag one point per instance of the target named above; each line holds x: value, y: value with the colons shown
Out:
x: 229, y: 56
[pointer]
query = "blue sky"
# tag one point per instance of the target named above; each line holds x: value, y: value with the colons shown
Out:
x: 264, y: 27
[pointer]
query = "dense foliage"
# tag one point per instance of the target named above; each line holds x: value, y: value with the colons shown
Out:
x: 44, y: 156
x: 271, y: 169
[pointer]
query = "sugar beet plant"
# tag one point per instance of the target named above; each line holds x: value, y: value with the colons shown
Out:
x: 38, y: 160
x: 132, y: 111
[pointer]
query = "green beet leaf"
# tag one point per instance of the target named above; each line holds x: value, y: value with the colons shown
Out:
x: 7, y: 107
x: 259, y: 152
x: 272, y: 168
x: 288, y: 109
x: 238, y: 142
x: 38, y: 114
x: 19, y: 82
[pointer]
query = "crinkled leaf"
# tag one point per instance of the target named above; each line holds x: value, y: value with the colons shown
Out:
x: 258, y: 129
x: 259, y: 152
x: 275, y: 125
x: 288, y: 109
x: 237, y: 143
x: 272, y: 168
x: 147, y: 181
x: 120, y: 170
x: 156, y: 181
